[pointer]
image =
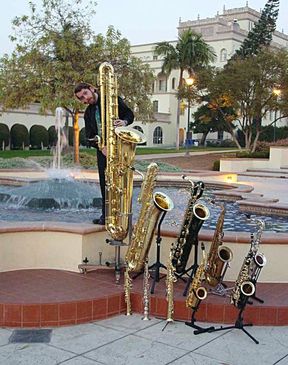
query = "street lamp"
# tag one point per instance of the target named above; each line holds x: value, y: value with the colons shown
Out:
x: 276, y: 92
x: 189, y: 82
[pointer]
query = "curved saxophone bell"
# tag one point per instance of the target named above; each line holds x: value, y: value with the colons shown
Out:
x: 247, y: 288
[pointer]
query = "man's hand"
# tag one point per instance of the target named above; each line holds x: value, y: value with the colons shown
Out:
x: 120, y: 123
x: 104, y: 151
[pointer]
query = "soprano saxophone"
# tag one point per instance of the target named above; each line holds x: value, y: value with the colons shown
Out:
x: 194, y: 216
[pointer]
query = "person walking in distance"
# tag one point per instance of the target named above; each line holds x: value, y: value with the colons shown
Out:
x: 88, y: 94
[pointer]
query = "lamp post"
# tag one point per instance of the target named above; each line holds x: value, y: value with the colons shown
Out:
x: 189, y: 82
x: 276, y: 92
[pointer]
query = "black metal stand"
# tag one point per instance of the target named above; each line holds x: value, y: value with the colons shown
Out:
x: 190, y: 271
x: 193, y: 320
x: 155, y: 268
x: 238, y: 324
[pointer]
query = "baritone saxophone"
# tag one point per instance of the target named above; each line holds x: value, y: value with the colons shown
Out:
x: 120, y: 146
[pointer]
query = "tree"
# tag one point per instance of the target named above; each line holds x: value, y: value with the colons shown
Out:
x: 208, y: 120
x: 248, y: 85
x: 4, y: 136
x: 261, y: 34
x: 56, y: 48
x: 190, y: 54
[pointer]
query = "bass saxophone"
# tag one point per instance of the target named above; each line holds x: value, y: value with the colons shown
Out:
x: 194, y: 217
x: 197, y: 292
x: 245, y: 284
x: 219, y: 256
x: 120, y: 144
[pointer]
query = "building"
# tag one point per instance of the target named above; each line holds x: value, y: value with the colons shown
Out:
x: 225, y: 32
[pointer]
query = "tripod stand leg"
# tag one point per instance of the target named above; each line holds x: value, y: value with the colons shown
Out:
x: 193, y: 320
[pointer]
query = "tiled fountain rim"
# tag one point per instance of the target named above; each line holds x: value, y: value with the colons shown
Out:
x: 84, y: 229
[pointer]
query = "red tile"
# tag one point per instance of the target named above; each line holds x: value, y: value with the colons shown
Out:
x: 100, y: 308
x: 215, y: 313
x: 114, y: 304
x: 67, y: 311
x: 282, y: 316
x: 230, y: 313
x: 84, y: 310
x: 49, y: 313
x: 267, y: 316
x: 161, y: 307
x: 1, y: 314
x: 12, y: 315
x: 137, y: 302
x: 31, y: 313
x: 252, y: 315
x: 181, y: 312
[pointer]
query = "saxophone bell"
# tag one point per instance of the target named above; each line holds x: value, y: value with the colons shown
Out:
x: 247, y: 288
x: 260, y: 260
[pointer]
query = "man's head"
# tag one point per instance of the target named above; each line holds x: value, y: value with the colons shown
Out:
x: 86, y: 93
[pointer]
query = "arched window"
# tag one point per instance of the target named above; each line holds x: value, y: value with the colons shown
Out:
x: 223, y: 55
x: 173, y: 83
x: 138, y: 128
x: 158, y: 136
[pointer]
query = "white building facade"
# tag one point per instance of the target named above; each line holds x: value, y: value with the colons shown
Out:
x: 224, y: 33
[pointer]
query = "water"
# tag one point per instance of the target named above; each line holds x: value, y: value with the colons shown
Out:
x: 78, y: 206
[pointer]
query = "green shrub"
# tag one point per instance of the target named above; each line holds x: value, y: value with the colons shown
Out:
x: 52, y: 136
x: 4, y: 135
x: 82, y: 137
x: 216, y: 165
x: 19, y: 136
x: 257, y: 154
x: 38, y: 136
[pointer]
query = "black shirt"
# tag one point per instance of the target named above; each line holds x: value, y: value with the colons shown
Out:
x: 91, y: 130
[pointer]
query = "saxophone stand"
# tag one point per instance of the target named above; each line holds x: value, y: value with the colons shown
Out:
x: 193, y: 320
x: 238, y: 324
x: 190, y: 271
x: 155, y: 268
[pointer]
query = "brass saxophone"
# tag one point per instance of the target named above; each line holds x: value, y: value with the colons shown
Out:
x: 196, y: 291
x: 219, y: 256
x: 121, y: 144
x: 245, y: 284
x: 152, y: 206
x: 194, y: 217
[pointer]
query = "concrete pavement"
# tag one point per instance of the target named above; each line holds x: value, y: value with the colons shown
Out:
x: 130, y: 340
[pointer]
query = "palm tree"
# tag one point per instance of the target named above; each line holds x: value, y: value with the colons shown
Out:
x: 190, y: 53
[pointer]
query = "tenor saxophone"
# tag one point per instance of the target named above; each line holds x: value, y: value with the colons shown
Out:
x: 197, y: 292
x: 195, y: 215
x: 219, y: 256
x: 120, y: 144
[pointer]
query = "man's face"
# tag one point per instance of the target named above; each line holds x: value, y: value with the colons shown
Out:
x: 87, y: 96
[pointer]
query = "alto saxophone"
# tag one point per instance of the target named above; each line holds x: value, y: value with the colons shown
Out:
x: 219, y: 256
x: 196, y: 291
x: 245, y: 284
x: 194, y: 217
x: 120, y: 144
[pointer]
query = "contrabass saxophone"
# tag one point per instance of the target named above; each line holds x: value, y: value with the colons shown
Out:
x: 245, y: 284
x: 194, y: 216
x: 197, y: 292
x: 120, y: 144
x: 219, y: 256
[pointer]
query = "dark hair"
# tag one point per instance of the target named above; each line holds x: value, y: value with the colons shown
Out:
x: 81, y: 86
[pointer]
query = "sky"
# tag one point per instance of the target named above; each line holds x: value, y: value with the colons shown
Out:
x: 141, y: 21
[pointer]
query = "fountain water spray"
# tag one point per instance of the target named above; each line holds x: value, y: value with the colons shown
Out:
x: 61, y: 137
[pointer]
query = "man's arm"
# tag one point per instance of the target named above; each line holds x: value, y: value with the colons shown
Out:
x: 125, y: 113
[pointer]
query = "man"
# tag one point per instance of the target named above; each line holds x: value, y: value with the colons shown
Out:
x: 87, y: 94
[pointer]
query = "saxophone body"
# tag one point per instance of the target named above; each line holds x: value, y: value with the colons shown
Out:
x: 120, y: 146
x: 219, y: 256
x: 197, y: 292
x: 195, y: 215
x: 153, y: 204
x: 245, y: 284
